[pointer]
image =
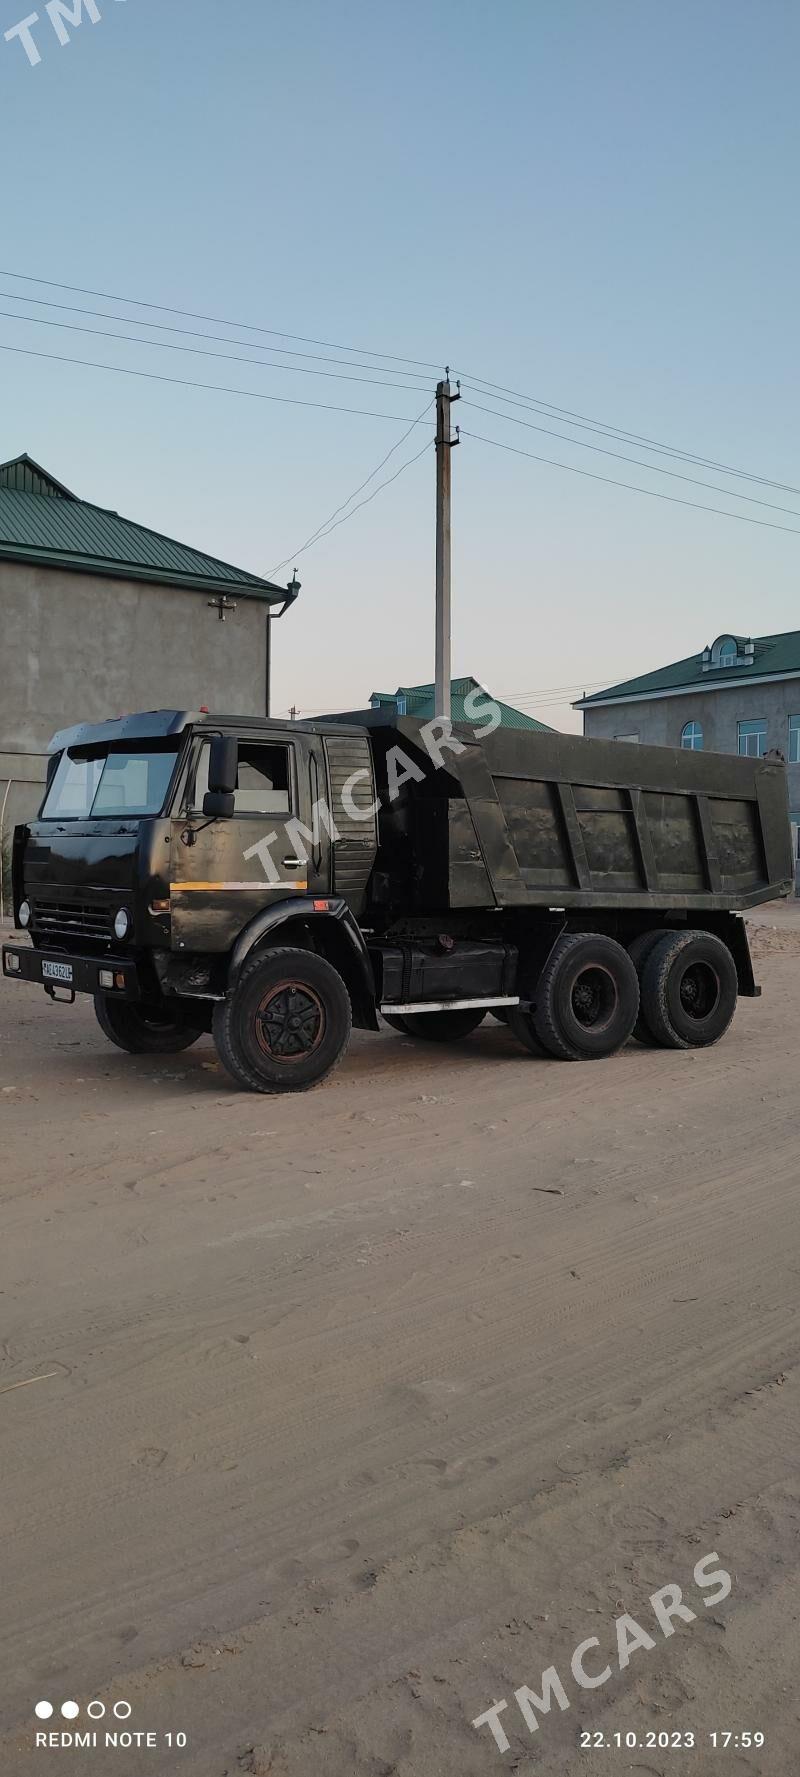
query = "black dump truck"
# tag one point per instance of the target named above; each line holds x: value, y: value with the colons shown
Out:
x: 277, y: 883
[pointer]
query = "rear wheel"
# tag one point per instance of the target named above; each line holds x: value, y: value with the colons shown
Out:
x: 440, y: 1027
x: 286, y: 1024
x: 638, y: 952
x: 148, y: 1030
x: 586, y: 999
x: 521, y: 1026
x: 689, y: 990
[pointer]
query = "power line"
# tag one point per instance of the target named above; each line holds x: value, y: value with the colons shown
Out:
x: 163, y: 345
x: 182, y: 382
x: 652, y: 468
x: 551, y: 691
x: 373, y: 382
x: 501, y: 392
x: 329, y: 521
x: 604, y: 428
x: 554, y: 703
x: 652, y: 493
x: 69, y: 308
x: 371, y: 413
x: 373, y: 496
x: 215, y: 320
x: 548, y: 689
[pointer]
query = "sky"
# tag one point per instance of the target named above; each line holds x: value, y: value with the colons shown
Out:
x: 590, y: 203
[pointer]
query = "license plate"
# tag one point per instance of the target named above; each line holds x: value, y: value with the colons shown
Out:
x: 57, y: 972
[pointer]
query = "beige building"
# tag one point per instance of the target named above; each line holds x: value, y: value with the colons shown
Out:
x: 739, y: 694
x: 99, y: 615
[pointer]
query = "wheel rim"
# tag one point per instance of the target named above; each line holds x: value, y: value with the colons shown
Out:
x: 699, y: 991
x: 594, y: 998
x: 289, y: 1022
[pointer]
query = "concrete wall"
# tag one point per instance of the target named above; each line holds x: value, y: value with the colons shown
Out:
x: 21, y: 780
x: 79, y: 647
x: 660, y: 721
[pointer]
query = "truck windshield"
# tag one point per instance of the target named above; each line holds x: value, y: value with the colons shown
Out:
x: 125, y: 781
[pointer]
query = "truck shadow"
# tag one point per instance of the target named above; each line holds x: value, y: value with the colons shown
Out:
x: 372, y: 1056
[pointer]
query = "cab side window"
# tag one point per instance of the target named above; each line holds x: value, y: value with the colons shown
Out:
x: 264, y: 779
x: 263, y: 786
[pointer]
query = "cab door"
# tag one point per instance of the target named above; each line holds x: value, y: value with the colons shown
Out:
x: 225, y: 871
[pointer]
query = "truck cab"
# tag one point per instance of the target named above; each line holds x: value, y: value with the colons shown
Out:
x: 169, y: 846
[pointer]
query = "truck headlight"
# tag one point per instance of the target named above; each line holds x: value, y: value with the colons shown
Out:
x: 25, y: 915
x: 122, y: 924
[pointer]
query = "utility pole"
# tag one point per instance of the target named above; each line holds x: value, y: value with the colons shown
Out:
x: 444, y: 447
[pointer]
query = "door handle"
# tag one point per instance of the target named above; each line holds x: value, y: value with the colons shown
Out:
x: 292, y: 863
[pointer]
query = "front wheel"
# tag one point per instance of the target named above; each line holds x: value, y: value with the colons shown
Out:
x: 140, y: 1029
x: 286, y: 1024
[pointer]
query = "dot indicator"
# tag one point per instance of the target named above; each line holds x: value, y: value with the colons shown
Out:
x: 96, y: 1709
x: 70, y: 1710
x: 44, y: 1710
x: 122, y: 1710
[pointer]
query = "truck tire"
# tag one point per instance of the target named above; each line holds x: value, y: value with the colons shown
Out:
x: 689, y: 990
x: 638, y: 951
x: 286, y: 1024
x: 520, y: 1025
x: 147, y: 1030
x: 586, y: 998
x: 442, y: 1027
x: 394, y: 1023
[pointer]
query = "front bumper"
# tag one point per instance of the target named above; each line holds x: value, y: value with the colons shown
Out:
x: 58, y: 972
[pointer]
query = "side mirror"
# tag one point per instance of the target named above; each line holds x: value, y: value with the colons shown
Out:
x: 219, y: 805
x: 223, y: 764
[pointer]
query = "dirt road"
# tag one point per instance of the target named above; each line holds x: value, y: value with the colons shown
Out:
x: 328, y: 1423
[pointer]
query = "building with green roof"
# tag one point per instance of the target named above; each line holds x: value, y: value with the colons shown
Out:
x: 739, y: 694
x: 419, y: 700
x: 99, y: 615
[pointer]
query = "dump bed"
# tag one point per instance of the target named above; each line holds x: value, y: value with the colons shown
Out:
x: 528, y: 819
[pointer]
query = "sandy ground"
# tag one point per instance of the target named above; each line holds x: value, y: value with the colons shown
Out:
x: 342, y: 1418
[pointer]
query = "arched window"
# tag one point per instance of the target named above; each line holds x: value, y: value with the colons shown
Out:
x: 728, y: 652
x: 692, y: 737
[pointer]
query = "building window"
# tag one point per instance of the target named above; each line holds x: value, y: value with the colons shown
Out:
x: 402, y: 705
x: 794, y: 740
x: 728, y: 652
x: 753, y: 739
x: 692, y: 737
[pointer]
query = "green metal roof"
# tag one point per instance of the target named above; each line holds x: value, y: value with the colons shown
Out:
x: 772, y: 657
x: 420, y: 701
x: 64, y: 532
x: 28, y: 477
